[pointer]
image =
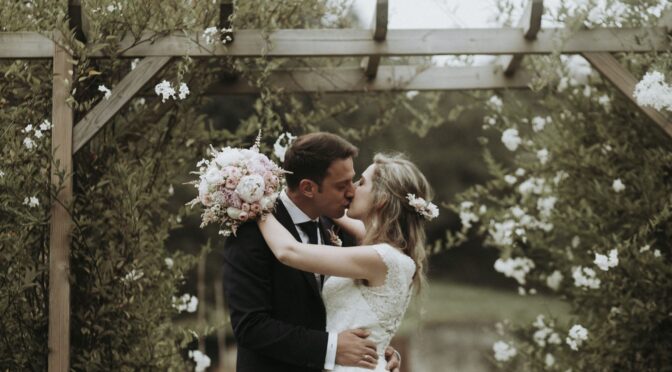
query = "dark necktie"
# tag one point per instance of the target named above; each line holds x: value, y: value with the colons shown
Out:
x: 310, y: 228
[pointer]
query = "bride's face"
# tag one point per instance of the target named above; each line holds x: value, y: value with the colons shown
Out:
x: 363, y: 200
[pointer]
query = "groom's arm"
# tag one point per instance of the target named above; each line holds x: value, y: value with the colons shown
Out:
x: 247, y: 286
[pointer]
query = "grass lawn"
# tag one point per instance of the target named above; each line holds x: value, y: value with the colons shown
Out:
x: 449, y: 302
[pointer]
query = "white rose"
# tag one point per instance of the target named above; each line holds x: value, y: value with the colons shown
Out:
x: 213, y: 175
x: 267, y: 202
x: 251, y: 188
x: 228, y: 156
x: 233, y: 212
x: 203, y: 192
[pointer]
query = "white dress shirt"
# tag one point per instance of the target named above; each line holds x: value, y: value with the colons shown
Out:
x: 298, y: 216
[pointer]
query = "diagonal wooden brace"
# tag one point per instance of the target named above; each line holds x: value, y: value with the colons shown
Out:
x: 379, y: 34
x: 530, y: 22
x: 127, y: 88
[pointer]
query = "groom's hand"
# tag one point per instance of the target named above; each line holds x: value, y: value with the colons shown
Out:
x: 353, y: 349
x: 393, y: 359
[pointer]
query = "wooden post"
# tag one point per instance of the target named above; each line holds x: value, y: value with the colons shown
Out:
x: 530, y: 22
x: 371, y: 63
x: 221, y: 319
x: 61, y: 221
x: 200, y: 290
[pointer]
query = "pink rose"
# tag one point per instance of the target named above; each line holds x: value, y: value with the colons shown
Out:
x: 231, y: 183
x: 255, y: 208
x: 251, y: 215
x: 245, y: 207
x: 243, y: 216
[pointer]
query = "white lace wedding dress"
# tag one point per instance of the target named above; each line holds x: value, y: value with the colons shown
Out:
x: 380, y: 309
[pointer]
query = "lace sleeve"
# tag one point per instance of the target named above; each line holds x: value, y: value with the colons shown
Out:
x: 400, y: 270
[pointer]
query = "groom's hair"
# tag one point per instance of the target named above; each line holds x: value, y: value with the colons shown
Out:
x: 310, y: 156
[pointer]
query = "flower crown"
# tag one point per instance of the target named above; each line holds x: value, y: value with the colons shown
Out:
x: 424, y: 208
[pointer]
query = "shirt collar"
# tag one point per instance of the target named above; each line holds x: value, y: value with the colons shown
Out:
x: 295, y: 213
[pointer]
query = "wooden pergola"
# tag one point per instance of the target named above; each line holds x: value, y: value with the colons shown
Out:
x: 596, y: 45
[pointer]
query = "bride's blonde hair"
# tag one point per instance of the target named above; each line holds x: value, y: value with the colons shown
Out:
x: 392, y: 219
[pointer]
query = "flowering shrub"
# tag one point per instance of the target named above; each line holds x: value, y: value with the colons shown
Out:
x: 584, y: 212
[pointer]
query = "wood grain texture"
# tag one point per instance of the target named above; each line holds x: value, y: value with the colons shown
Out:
x: 127, y: 88
x: 530, y: 22
x: 355, y: 42
x: 61, y: 221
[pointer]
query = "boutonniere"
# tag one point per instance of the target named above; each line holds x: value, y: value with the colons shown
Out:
x: 333, y: 237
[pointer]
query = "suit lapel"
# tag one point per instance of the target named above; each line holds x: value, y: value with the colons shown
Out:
x: 284, y: 218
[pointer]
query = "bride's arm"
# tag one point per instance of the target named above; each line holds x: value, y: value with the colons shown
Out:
x: 361, y: 262
x: 353, y: 227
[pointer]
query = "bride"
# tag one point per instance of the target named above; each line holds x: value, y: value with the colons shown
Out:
x: 371, y: 284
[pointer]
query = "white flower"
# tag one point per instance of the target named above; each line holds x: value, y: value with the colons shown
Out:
x: 134, y: 63
x: 38, y: 134
x: 251, y: 188
x: 202, y: 360
x: 587, y: 91
x: 656, y: 253
x: 28, y: 128
x: 532, y: 186
x: 29, y: 143
x: 576, y: 241
x: 584, y: 277
x: 411, y: 94
x: 425, y: 208
x: 31, y: 202
x: 466, y: 215
x: 644, y: 248
x: 510, y: 139
x: 165, y: 90
x: 562, y: 84
x: 577, y: 334
x: 279, y: 149
x: 171, y: 190
x: 210, y: 34
x: 510, y: 179
x: 184, y: 91
x: 653, y: 91
x: 559, y: 177
x: 549, y: 360
x: 618, y: 185
x: 521, y: 291
x: 133, y: 275
x: 490, y: 120
x: 542, y: 155
x: 104, y: 89
x: 538, y: 123
x: 496, y: 103
x: 553, y: 281
x: 169, y: 262
x: 45, y: 125
x: 517, y: 212
x: 2, y: 174
x: 546, y: 205
x: 502, y: 232
x: 516, y: 268
x: 520, y: 172
x: 604, y: 100
x: 185, y: 303
x: 604, y: 262
x: 503, y: 351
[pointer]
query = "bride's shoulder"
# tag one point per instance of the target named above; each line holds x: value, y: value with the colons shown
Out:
x: 391, y: 253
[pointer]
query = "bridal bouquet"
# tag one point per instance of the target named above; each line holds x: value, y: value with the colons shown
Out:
x: 236, y: 185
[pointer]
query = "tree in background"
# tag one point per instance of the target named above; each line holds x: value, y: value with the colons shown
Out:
x: 585, y: 211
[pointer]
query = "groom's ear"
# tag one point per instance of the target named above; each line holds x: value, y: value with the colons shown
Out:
x: 307, y: 188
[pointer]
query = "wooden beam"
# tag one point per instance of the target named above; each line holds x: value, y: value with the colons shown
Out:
x: 625, y: 82
x: 390, y: 78
x: 358, y: 43
x: 379, y: 32
x: 96, y: 119
x: 530, y: 22
x: 61, y: 221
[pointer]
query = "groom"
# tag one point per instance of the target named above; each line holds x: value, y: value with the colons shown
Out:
x: 277, y: 313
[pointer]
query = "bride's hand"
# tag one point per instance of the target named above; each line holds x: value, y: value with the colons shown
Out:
x: 352, y: 226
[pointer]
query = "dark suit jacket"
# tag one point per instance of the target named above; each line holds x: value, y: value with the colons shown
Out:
x: 277, y: 313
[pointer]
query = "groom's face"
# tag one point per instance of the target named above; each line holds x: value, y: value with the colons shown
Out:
x: 337, y: 190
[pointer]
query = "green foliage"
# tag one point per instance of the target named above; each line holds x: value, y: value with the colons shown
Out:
x: 561, y: 212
